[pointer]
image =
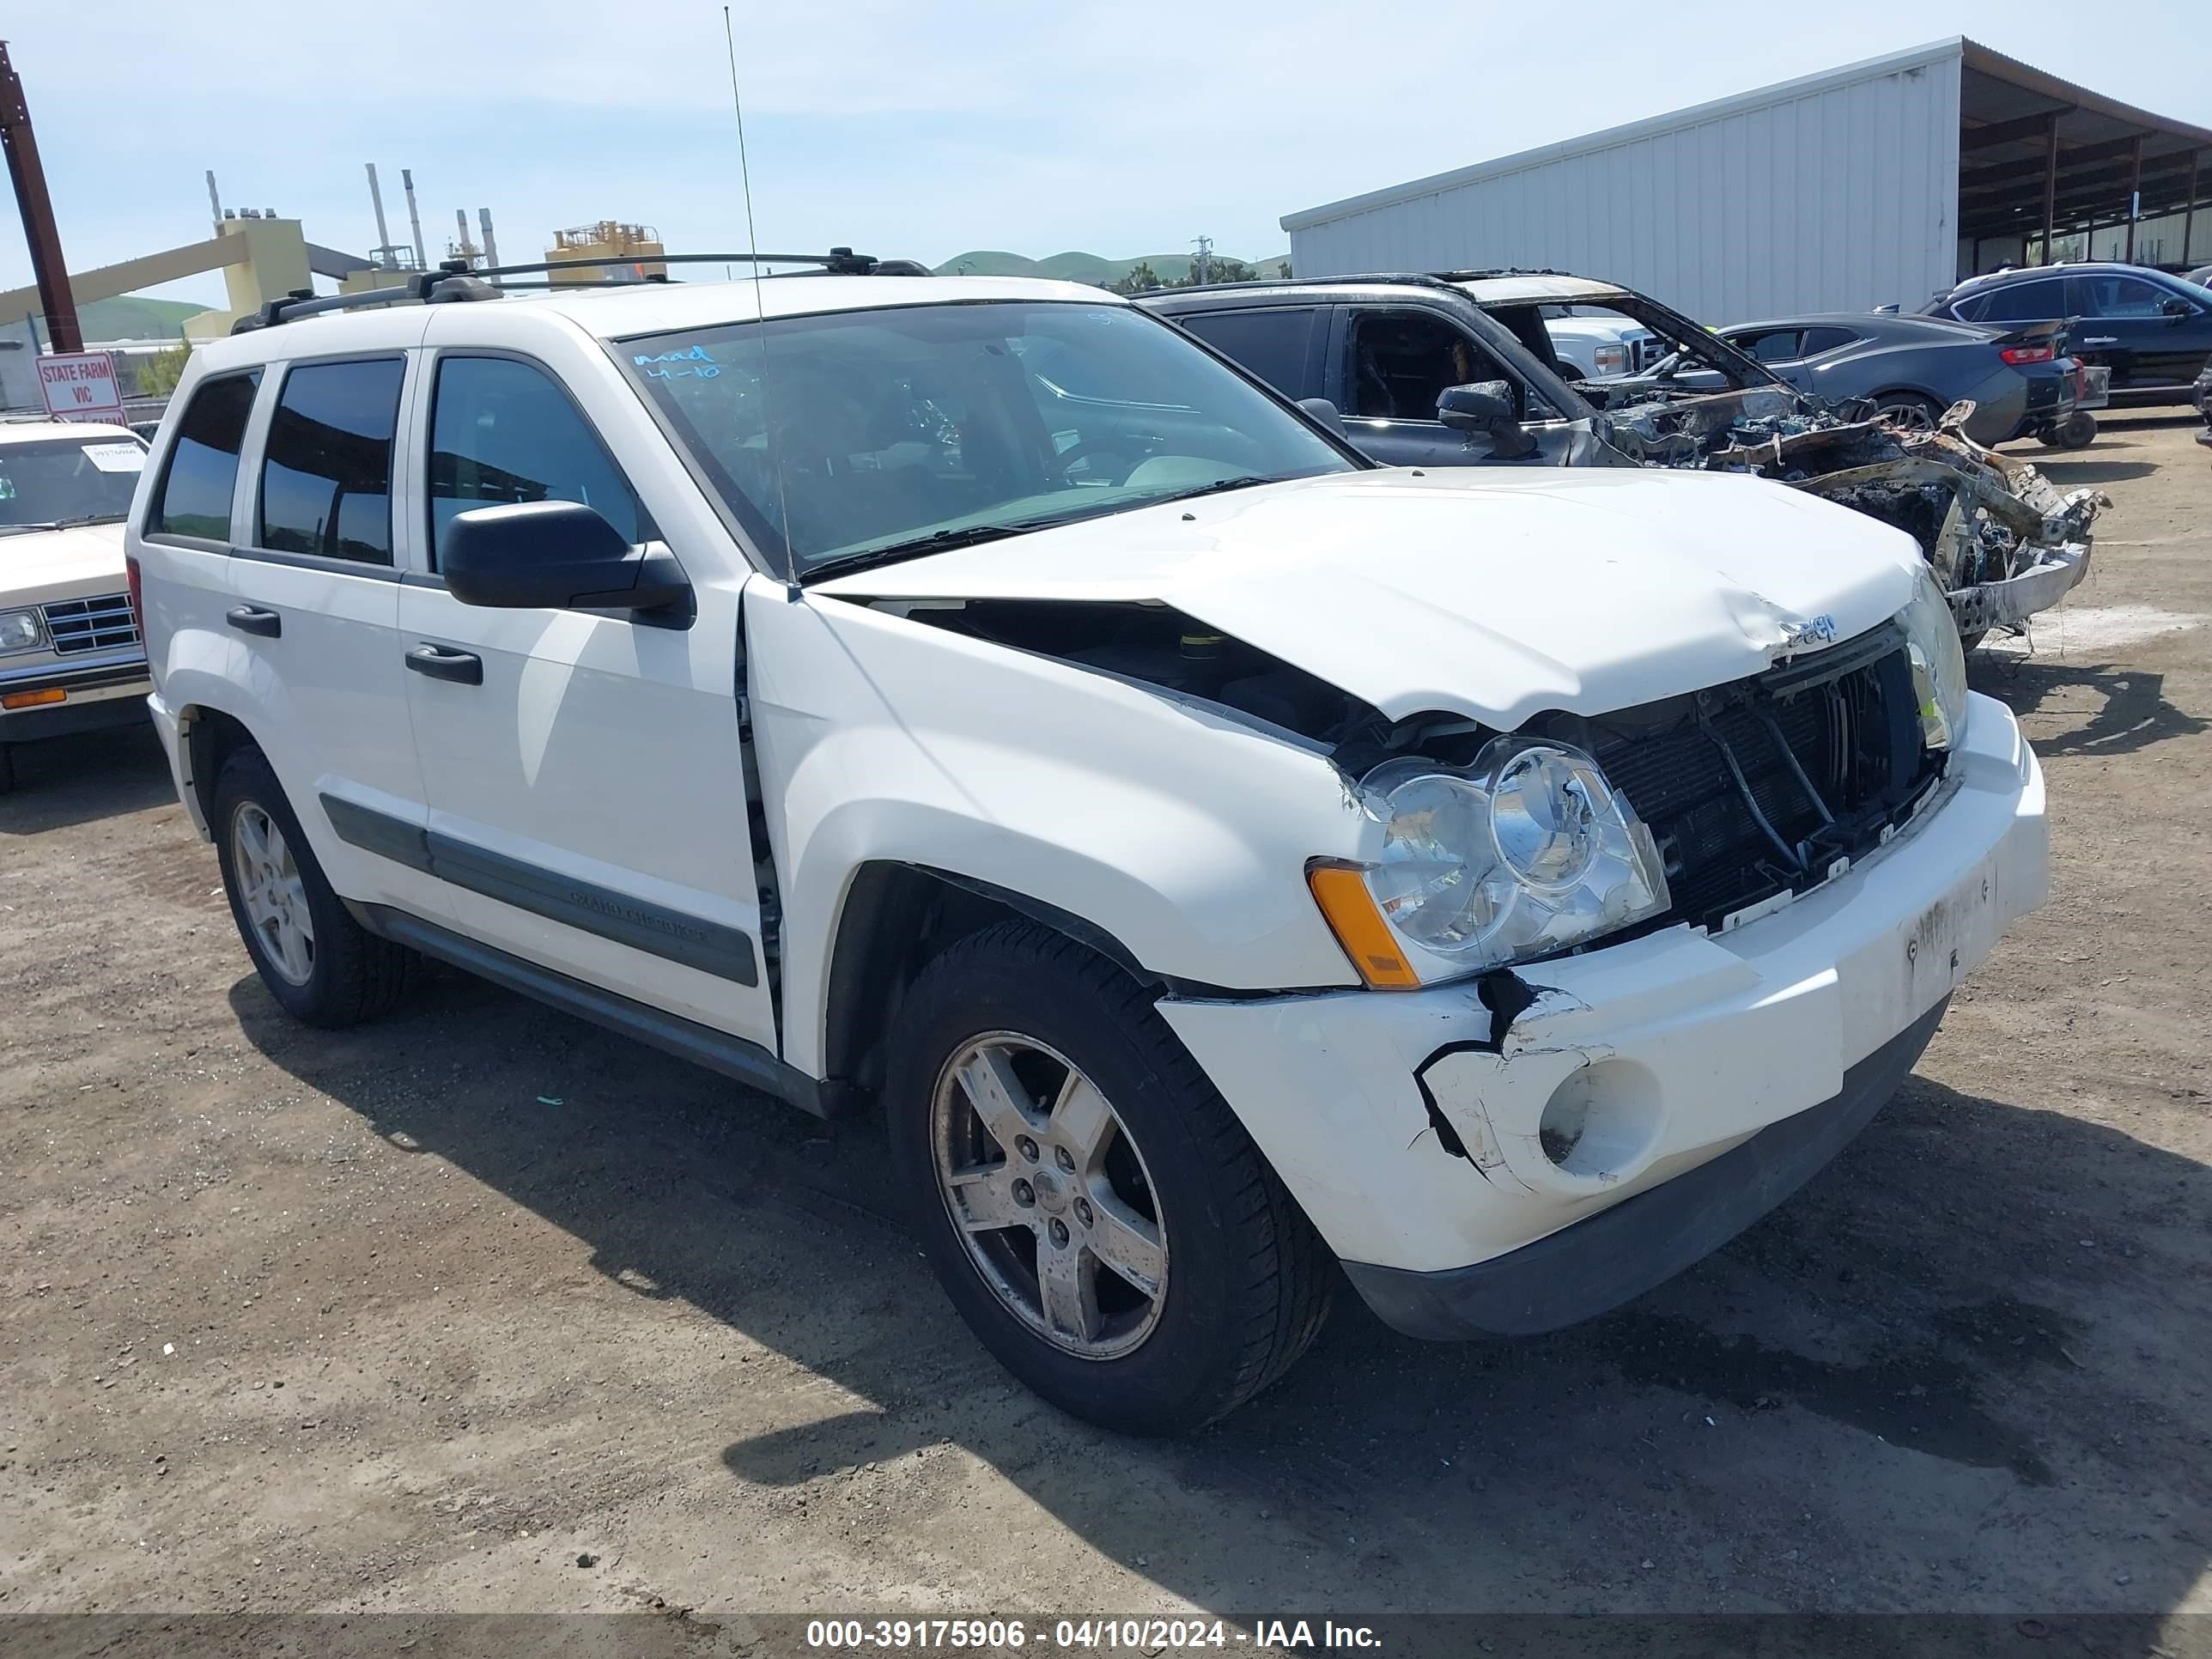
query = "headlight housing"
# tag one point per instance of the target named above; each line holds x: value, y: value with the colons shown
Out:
x: 22, y: 630
x: 1939, y: 664
x: 1527, y: 851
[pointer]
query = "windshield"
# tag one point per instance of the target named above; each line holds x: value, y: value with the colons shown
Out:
x: 881, y: 433
x: 62, y: 481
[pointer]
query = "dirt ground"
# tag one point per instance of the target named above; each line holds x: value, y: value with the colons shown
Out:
x: 421, y: 1315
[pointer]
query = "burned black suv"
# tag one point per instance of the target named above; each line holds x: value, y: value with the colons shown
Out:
x: 1460, y: 368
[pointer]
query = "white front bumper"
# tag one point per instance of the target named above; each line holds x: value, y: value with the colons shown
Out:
x: 1686, y: 1044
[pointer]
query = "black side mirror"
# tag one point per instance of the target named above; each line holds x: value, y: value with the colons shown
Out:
x: 556, y: 556
x: 2177, y: 306
x: 1324, y: 411
x: 1487, y: 406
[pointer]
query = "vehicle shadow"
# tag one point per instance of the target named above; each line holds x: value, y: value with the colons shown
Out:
x: 61, y: 781
x: 2076, y: 475
x: 1920, y: 1341
x: 2128, y: 708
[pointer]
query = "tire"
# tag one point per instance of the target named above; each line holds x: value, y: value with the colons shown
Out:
x: 1911, y: 409
x: 1243, y: 1280
x: 7, y: 769
x: 349, y: 974
x: 2077, y: 431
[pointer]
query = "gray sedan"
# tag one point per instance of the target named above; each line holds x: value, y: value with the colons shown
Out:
x: 1915, y: 367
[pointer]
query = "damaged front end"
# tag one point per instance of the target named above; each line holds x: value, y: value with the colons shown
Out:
x: 2003, y: 541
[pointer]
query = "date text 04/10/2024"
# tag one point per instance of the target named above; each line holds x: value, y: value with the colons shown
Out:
x: 1138, y: 1635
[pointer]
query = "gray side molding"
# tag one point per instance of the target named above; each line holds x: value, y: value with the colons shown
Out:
x: 709, y: 946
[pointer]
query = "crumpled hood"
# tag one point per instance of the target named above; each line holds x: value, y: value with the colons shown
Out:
x: 1491, y: 593
x: 37, y: 565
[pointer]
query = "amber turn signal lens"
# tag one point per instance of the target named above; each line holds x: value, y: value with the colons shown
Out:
x: 1350, y: 910
x: 33, y: 699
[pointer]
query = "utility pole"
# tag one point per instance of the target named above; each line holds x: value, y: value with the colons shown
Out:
x: 38, y: 210
x: 1199, y: 266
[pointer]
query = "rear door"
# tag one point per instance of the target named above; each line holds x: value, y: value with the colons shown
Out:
x: 585, y: 778
x: 2126, y: 322
x: 313, y: 613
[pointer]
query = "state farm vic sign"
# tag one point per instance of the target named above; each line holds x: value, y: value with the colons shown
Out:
x: 80, y: 386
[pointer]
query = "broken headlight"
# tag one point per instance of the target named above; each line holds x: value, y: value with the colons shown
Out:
x: 1939, y: 664
x: 1527, y: 851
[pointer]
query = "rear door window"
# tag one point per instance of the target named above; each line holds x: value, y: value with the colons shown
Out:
x: 326, y: 469
x: 1276, y: 344
x: 202, y: 472
x: 2024, y: 302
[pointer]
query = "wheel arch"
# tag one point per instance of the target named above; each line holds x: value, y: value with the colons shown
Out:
x: 897, y: 918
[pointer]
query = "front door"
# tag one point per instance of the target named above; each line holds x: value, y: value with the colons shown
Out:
x: 2125, y: 319
x: 585, y: 778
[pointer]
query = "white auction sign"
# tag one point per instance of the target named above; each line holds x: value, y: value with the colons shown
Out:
x: 80, y: 386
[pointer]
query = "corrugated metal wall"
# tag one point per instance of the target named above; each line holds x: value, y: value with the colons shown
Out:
x: 1837, y: 193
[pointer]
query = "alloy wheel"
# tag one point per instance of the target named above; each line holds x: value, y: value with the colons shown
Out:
x: 1050, y: 1194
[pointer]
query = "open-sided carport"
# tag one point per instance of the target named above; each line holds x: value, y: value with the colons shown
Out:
x: 2041, y: 158
x: 1877, y: 183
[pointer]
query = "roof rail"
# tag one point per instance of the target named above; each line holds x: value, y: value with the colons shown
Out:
x: 458, y: 280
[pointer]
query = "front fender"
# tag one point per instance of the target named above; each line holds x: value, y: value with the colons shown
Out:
x: 1179, y: 832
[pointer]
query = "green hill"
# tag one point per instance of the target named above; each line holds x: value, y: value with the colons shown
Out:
x: 128, y: 317
x: 1079, y: 267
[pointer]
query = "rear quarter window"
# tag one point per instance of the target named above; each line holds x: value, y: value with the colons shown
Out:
x: 202, y: 471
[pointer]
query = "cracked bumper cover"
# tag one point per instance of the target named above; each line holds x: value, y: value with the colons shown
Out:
x: 1418, y: 1145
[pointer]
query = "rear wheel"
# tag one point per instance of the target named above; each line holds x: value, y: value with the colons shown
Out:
x: 315, y: 959
x: 1910, y: 409
x: 2077, y: 431
x: 1089, y: 1203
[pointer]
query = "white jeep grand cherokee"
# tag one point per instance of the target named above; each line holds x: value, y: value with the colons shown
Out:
x: 1213, y: 854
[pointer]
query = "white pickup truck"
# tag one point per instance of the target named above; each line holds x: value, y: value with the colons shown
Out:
x: 1216, y: 857
x: 69, y: 656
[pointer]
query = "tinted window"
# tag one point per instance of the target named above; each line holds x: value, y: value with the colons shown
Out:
x: 2024, y: 302
x: 2106, y: 294
x: 1818, y: 340
x: 326, y: 472
x: 203, y: 469
x: 504, y: 431
x: 1773, y: 346
x: 1275, y: 345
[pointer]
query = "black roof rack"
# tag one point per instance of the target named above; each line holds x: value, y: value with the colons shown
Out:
x: 458, y: 280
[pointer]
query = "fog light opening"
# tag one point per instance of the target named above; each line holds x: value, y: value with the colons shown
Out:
x: 1601, y: 1121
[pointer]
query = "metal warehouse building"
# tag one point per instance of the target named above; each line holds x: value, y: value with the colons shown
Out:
x: 1877, y: 183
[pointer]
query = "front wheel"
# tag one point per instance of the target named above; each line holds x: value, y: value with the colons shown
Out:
x: 1087, y: 1198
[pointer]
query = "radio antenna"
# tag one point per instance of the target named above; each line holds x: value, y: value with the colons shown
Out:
x: 760, y: 305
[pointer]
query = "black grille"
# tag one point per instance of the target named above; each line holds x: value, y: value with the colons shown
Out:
x: 1847, y: 717
x: 95, y: 624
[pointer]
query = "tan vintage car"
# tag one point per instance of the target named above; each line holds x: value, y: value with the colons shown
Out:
x: 70, y: 659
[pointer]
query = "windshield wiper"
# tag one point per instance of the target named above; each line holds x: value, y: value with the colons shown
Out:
x: 45, y: 524
x: 937, y: 541
x: 1242, y: 481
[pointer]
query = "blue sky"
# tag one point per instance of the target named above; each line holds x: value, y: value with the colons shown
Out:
x: 911, y: 128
